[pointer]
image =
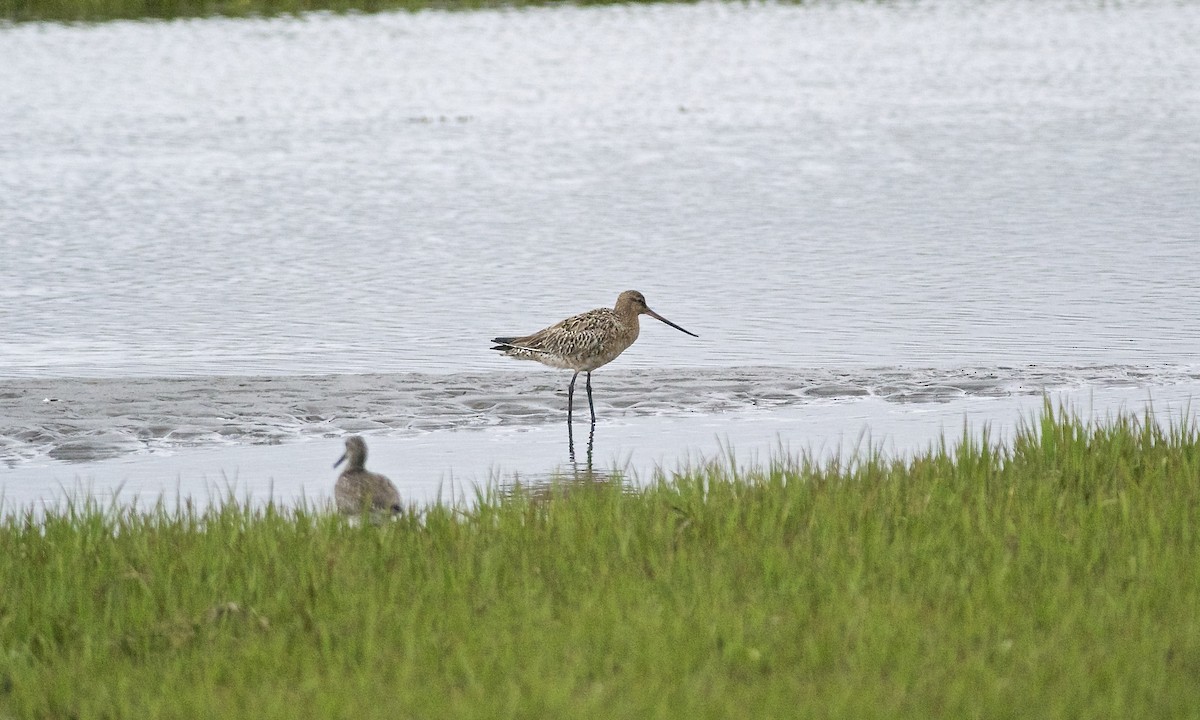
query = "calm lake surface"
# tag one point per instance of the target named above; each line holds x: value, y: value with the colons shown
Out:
x: 225, y: 233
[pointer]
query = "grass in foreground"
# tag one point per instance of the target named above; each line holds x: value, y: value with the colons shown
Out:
x: 1057, y: 577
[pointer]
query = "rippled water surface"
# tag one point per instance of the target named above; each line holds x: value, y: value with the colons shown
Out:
x: 943, y: 183
x: 825, y: 193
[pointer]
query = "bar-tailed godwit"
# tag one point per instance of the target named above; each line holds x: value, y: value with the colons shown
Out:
x: 357, y: 490
x: 585, y: 342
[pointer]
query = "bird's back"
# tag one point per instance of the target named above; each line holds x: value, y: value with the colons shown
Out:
x: 360, y: 490
x: 581, y: 342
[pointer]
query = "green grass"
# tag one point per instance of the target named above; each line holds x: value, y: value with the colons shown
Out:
x: 1055, y: 577
x: 101, y: 10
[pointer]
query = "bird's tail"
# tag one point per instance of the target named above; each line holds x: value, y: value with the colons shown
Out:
x: 518, y: 347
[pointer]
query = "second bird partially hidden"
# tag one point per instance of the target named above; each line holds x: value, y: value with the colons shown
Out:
x: 359, y: 491
x: 584, y: 342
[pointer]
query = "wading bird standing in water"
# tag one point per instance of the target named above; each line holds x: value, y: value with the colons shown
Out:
x: 358, y: 490
x: 584, y: 342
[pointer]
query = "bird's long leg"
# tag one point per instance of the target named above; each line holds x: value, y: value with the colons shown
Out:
x: 571, y: 397
x: 590, y: 405
x: 570, y: 429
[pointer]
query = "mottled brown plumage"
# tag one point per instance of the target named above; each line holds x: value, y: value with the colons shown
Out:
x: 357, y: 490
x: 586, y: 341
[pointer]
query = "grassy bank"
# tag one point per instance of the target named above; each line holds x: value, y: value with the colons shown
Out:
x: 1056, y: 577
x: 100, y: 10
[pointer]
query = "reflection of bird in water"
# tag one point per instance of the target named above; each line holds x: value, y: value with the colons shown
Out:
x: 568, y: 480
x: 358, y: 490
x: 586, y: 469
x: 584, y: 342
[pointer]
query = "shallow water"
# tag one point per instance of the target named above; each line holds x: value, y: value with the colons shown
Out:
x: 452, y: 465
x: 231, y: 233
x: 57, y: 420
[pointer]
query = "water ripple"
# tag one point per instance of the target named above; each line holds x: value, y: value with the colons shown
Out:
x: 84, y: 420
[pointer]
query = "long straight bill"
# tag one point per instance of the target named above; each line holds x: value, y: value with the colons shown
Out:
x: 656, y: 316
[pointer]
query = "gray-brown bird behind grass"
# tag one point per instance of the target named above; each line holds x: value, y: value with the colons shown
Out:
x: 358, y: 490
